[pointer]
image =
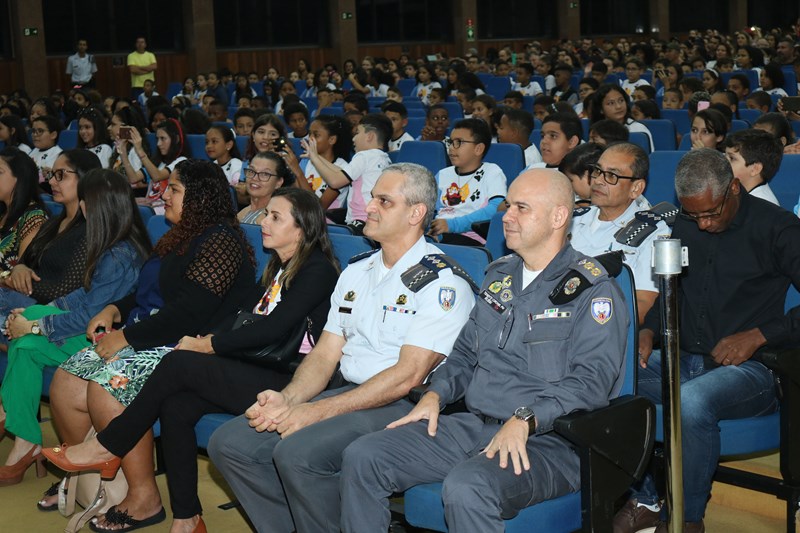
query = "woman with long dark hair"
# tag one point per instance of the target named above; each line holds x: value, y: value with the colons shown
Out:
x: 200, y: 271
x: 203, y: 374
x: 46, y: 335
x: 21, y: 208
x: 125, y: 159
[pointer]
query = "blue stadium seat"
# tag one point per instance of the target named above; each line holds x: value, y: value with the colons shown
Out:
x: 586, y: 126
x: 738, y: 125
x: 332, y: 110
x: 54, y: 208
x: 640, y: 139
x: 258, y: 87
x: 454, y: 111
x: 376, y: 101
x: 254, y: 238
x: 497, y: 87
x: 415, y: 125
x: 786, y: 183
x: 394, y: 155
x: 341, y: 229
x: 406, y: 86
x: 157, y: 226
x: 146, y: 212
x: 173, y: 89
x: 750, y: 115
x: 527, y: 103
x: 347, y: 246
x: 496, y: 239
x: 661, y: 181
x: 679, y: 117
x: 508, y: 157
x: 423, y: 503
x: 536, y: 137
x: 197, y: 146
x: 790, y: 82
x: 73, y: 124
x: 686, y: 143
x: 68, y: 139
x: 429, y: 154
x: 241, y: 143
x: 473, y: 259
x: 416, y: 112
x: 300, y: 86
x: 663, y: 132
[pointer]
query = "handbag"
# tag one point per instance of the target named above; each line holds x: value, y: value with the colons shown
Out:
x: 281, y: 355
x: 94, y: 494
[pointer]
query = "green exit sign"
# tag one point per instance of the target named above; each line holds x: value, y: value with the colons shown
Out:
x: 573, y: 5
x: 30, y: 32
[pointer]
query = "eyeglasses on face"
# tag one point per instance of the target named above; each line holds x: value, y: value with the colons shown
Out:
x: 251, y: 174
x: 707, y: 216
x: 58, y: 175
x: 456, y: 143
x: 609, y: 177
x: 39, y: 131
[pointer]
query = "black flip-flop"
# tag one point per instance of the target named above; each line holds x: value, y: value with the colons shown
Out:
x: 122, y: 518
x: 52, y: 491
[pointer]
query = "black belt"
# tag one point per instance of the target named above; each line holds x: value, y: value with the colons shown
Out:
x: 491, y: 420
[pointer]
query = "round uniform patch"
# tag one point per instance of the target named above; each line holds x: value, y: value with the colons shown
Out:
x: 602, y: 309
x: 572, y: 286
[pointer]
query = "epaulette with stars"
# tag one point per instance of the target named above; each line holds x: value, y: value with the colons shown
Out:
x: 427, y: 270
x: 644, y: 223
x: 586, y: 273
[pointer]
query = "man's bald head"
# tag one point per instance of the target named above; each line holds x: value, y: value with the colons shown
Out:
x: 548, y: 185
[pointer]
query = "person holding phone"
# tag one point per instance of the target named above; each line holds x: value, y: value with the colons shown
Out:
x: 125, y: 159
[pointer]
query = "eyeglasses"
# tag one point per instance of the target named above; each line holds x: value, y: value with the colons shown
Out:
x: 609, y: 177
x: 456, y: 143
x: 58, y: 175
x: 251, y: 174
x: 707, y: 216
x: 39, y: 131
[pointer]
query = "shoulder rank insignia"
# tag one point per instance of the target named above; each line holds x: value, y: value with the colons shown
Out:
x: 402, y: 300
x: 580, y: 211
x: 644, y: 223
x: 350, y: 296
x: 427, y: 270
x: 364, y: 255
x: 569, y: 287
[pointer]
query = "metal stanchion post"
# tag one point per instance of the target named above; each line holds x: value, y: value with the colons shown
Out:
x: 668, y: 258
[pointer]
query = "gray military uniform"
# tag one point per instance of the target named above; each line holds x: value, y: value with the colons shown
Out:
x: 555, y: 346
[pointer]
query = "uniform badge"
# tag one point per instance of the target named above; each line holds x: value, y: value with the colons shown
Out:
x: 572, y: 285
x: 506, y: 295
x: 402, y: 299
x: 507, y: 282
x: 447, y: 298
x: 602, y: 309
x: 593, y: 270
x: 349, y: 296
x: 495, y: 287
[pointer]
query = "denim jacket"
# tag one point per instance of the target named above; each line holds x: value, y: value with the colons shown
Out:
x: 114, y: 277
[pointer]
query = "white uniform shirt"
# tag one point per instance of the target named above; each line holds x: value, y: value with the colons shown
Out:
x: 395, y: 144
x: 629, y: 87
x: 319, y: 186
x: 103, y: 153
x: 45, y: 158
x: 377, y: 314
x: 532, y: 155
x: 232, y: 170
x: 80, y: 68
x: 532, y: 89
x: 365, y: 169
x: 593, y: 236
x: 422, y: 91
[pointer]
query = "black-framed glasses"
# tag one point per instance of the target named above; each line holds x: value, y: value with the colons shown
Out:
x: 707, y: 216
x: 612, y: 178
x: 39, y: 131
x: 251, y: 174
x: 456, y: 143
x: 58, y: 174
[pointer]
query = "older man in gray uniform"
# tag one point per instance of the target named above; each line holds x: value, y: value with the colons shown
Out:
x: 546, y: 337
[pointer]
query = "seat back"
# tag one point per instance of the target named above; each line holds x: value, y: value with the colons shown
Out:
x: 661, y: 181
x: 663, y: 132
x: 454, y: 111
x: 679, y: 117
x: 197, y: 146
x: 347, y: 246
x: 157, y: 226
x: 496, y: 239
x: 340, y: 229
x: 509, y: 157
x: 640, y: 139
x: 54, y: 208
x: 406, y: 86
x: 253, y: 234
x: 785, y: 183
x: 68, y: 139
x: 497, y: 86
x: 146, y: 212
x: 473, y: 259
x: 429, y: 154
x: 628, y: 286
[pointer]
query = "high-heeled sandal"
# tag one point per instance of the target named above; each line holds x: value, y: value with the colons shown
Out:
x: 13, y: 474
x: 58, y: 456
x: 49, y: 493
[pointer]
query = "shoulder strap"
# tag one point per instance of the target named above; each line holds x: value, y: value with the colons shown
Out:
x: 362, y: 255
x: 427, y: 270
x: 645, y: 223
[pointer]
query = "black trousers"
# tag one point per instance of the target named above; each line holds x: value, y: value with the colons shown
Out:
x: 185, y: 386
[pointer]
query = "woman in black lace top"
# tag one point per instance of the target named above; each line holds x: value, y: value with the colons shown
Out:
x: 200, y: 270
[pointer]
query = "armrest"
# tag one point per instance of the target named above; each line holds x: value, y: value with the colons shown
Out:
x: 623, y: 432
x: 415, y: 394
x: 785, y: 362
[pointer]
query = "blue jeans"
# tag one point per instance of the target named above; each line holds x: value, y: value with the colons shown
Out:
x: 709, y: 393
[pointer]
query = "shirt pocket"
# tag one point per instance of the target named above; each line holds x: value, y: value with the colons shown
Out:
x: 546, y: 348
x: 395, y: 322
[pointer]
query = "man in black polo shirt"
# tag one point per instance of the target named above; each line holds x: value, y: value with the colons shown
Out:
x: 743, y: 253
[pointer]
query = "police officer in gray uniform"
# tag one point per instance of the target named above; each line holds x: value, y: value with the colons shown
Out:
x: 546, y: 337
x: 395, y: 314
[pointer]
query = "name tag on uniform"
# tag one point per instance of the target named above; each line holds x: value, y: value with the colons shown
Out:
x: 492, y: 301
x: 346, y: 310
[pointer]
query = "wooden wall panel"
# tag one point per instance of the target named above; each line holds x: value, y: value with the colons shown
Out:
x: 285, y: 60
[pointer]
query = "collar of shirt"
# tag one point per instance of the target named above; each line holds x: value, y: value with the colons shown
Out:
x: 409, y: 259
x: 621, y: 221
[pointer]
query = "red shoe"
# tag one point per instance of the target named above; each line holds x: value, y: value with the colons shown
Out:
x: 58, y: 456
x: 13, y: 474
x: 200, y: 527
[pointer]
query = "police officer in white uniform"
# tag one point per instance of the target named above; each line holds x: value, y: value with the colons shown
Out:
x: 620, y: 218
x: 395, y: 315
x: 546, y: 337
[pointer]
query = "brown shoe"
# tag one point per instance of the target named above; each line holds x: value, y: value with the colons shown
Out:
x: 633, y: 517
x: 688, y: 527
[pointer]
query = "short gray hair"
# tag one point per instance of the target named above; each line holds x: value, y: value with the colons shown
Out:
x: 640, y: 167
x: 419, y: 188
x: 702, y: 170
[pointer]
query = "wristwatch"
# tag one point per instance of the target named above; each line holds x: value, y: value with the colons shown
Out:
x: 526, y: 414
x: 36, y: 330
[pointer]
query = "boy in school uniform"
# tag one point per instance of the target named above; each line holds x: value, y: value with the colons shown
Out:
x: 398, y: 114
x: 755, y: 157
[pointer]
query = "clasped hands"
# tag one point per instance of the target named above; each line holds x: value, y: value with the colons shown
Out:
x: 731, y: 350
x: 273, y: 411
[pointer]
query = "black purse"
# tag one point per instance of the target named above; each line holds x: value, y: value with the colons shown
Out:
x: 282, y: 355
